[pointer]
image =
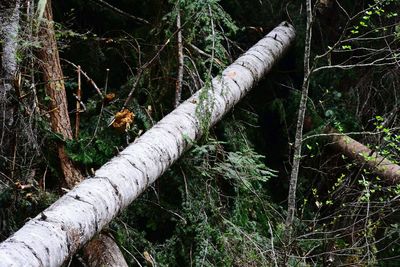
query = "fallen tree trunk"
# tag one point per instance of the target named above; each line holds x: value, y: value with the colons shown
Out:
x: 51, y: 237
x: 360, y: 153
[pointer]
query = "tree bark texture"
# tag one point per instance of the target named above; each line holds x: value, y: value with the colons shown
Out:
x: 55, y: 234
x: 9, y: 25
x: 55, y: 89
x: 103, y: 251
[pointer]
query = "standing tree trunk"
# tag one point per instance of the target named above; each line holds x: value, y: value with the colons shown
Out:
x: 179, y: 79
x: 60, y: 123
x: 55, y: 89
x: 51, y: 237
x: 9, y: 24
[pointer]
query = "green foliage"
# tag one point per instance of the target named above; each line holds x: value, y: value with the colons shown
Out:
x: 390, y: 147
x: 93, y: 151
x: 205, y: 24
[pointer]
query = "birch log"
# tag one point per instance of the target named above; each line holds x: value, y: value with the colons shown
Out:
x: 55, y: 234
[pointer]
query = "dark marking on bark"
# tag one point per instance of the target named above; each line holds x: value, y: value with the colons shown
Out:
x: 115, y: 187
x: 235, y: 82
x: 144, y: 163
x: 11, y: 240
x: 79, y: 199
x: 43, y: 216
x: 259, y: 59
x: 93, y: 206
x: 117, y: 193
x: 196, y: 125
x: 134, y: 166
x: 167, y: 132
x: 146, y: 174
x: 270, y: 51
x: 275, y: 39
x: 253, y: 72
x: 34, y: 253
x: 68, y: 246
x: 96, y: 226
x: 161, y: 152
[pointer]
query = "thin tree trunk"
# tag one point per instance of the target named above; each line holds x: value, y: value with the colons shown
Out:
x: 299, y: 133
x: 59, y: 117
x: 51, y: 237
x: 9, y: 25
x: 179, y: 80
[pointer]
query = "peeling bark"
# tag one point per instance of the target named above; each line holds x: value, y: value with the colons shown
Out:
x: 51, y: 237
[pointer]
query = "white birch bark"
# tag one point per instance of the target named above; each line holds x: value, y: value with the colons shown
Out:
x: 55, y: 234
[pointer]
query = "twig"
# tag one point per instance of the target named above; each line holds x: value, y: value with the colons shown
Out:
x: 272, y: 245
x: 178, y: 90
x: 78, y: 104
x: 14, y: 158
x: 346, y: 134
x: 87, y: 77
x: 119, y: 11
x: 102, y: 109
x: 213, y: 40
x: 83, y: 106
x: 129, y: 98
x: 146, y: 65
x: 44, y: 178
x: 201, y: 52
x: 106, y: 82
